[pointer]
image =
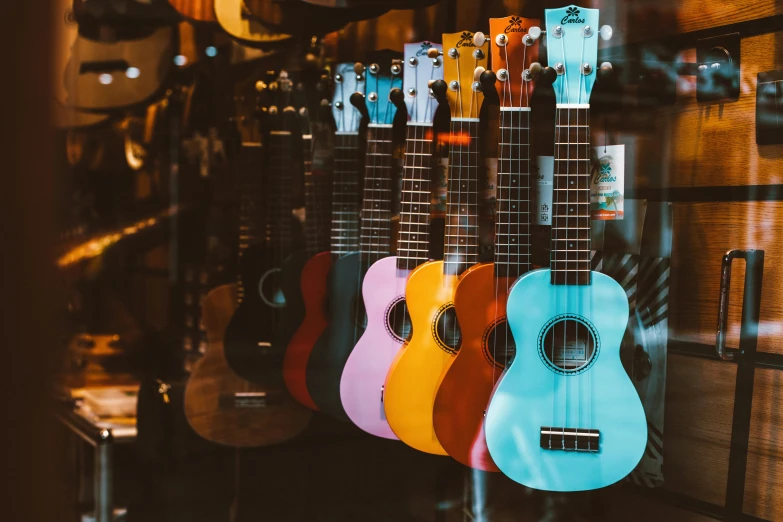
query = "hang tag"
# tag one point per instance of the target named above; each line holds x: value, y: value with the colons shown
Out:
x: 607, y: 183
x: 544, y: 183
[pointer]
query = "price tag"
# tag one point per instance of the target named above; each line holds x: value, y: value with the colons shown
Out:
x: 607, y: 182
x: 543, y: 182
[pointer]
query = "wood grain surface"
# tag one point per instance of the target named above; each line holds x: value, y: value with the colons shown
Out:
x: 708, y: 144
x: 702, y: 233
x: 765, y: 462
x: 697, y: 427
x: 199, y: 10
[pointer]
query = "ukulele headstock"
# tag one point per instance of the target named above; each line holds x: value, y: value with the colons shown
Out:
x: 347, y: 81
x: 384, y: 75
x: 464, y: 59
x: 572, y: 50
x: 515, y: 42
x: 276, y: 103
x: 423, y: 65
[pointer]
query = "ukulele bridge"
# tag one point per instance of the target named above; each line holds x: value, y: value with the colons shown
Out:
x: 570, y: 439
x: 250, y: 400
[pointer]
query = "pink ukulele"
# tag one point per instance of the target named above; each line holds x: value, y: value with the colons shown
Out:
x: 388, y: 322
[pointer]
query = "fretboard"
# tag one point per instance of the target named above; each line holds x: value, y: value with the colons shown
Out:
x: 280, y: 157
x: 570, y: 256
x: 461, y: 245
x: 414, y: 237
x: 512, y: 225
x: 317, y: 202
x: 375, y: 241
x: 249, y: 164
x: 345, y: 195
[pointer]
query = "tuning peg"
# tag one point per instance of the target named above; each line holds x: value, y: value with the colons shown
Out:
x: 438, y: 88
x: 479, y: 39
x: 548, y: 75
x: 358, y: 101
x: 501, y: 40
x: 477, y: 73
x: 606, y: 70
x: 533, y: 72
x: 358, y: 69
x: 533, y: 34
x: 396, y: 67
x: 606, y: 32
x: 434, y: 53
x: 397, y: 97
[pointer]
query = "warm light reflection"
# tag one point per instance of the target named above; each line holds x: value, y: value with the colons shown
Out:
x: 454, y: 138
x: 97, y: 246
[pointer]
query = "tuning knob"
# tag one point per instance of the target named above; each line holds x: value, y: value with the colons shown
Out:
x: 533, y: 34
x: 605, y: 32
x: 434, y: 53
x: 477, y: 73
x: 479, y: 39
x: 535, y: 69
x: 548, y: 75
x: 438, y: 88
x: 605, y: 70
x: 358, y: 68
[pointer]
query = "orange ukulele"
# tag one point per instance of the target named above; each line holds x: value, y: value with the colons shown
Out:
x: 480, y: 297
x: 413, y: 377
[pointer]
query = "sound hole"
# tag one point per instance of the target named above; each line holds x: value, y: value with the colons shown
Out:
x: 398, y: 321
x: 499, y: 345
x: 568, y: 344
x: 446, y: 329
x: 270, y: 288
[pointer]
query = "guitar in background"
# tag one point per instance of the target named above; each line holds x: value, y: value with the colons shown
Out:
x: 565, y: 416
x: 480, y: 295
x: 347, y: 317
x: 388, y: 322
x: 344, y: 226
x: 236, y: 395
x: 299, y: 287
x: 414, y: 375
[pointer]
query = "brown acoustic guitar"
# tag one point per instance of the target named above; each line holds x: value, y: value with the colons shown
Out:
x: 224, y: 408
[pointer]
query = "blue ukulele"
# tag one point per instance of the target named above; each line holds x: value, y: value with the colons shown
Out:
x: 565, y: 416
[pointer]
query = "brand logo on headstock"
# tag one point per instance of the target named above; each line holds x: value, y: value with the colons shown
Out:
x: 425, y: 46
x: 572, y: 17
x: 466, y: 40
x: 515, y: 26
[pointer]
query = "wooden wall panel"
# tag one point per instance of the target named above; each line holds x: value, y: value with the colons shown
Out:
x: 699, y: 402
x: 764, y: 486
x: 702, y: 233
x: 715, y: 144
x: 631, y: 506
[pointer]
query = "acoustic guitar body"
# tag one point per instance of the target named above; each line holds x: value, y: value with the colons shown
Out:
x: 414, y: 375
x: 346, y: 325
x: 254, y: 341
x: 364, y: 376
x: 234, y: 17
x: 464, y: 391
x: 226, y: 409
x: 313, y: 288
x: 102, y: 76
x: 537, y: 396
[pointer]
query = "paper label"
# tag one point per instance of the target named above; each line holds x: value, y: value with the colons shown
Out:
x: 607, y: 181
x: 544, y: 178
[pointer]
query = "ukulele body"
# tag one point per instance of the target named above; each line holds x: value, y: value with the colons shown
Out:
x: 313, y: 289
x: 364, y: 376
x: 536, y: 392
x: 467, y: 384
x: 414, y: 375
x: 346, y: 325
x: 226, y: 409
